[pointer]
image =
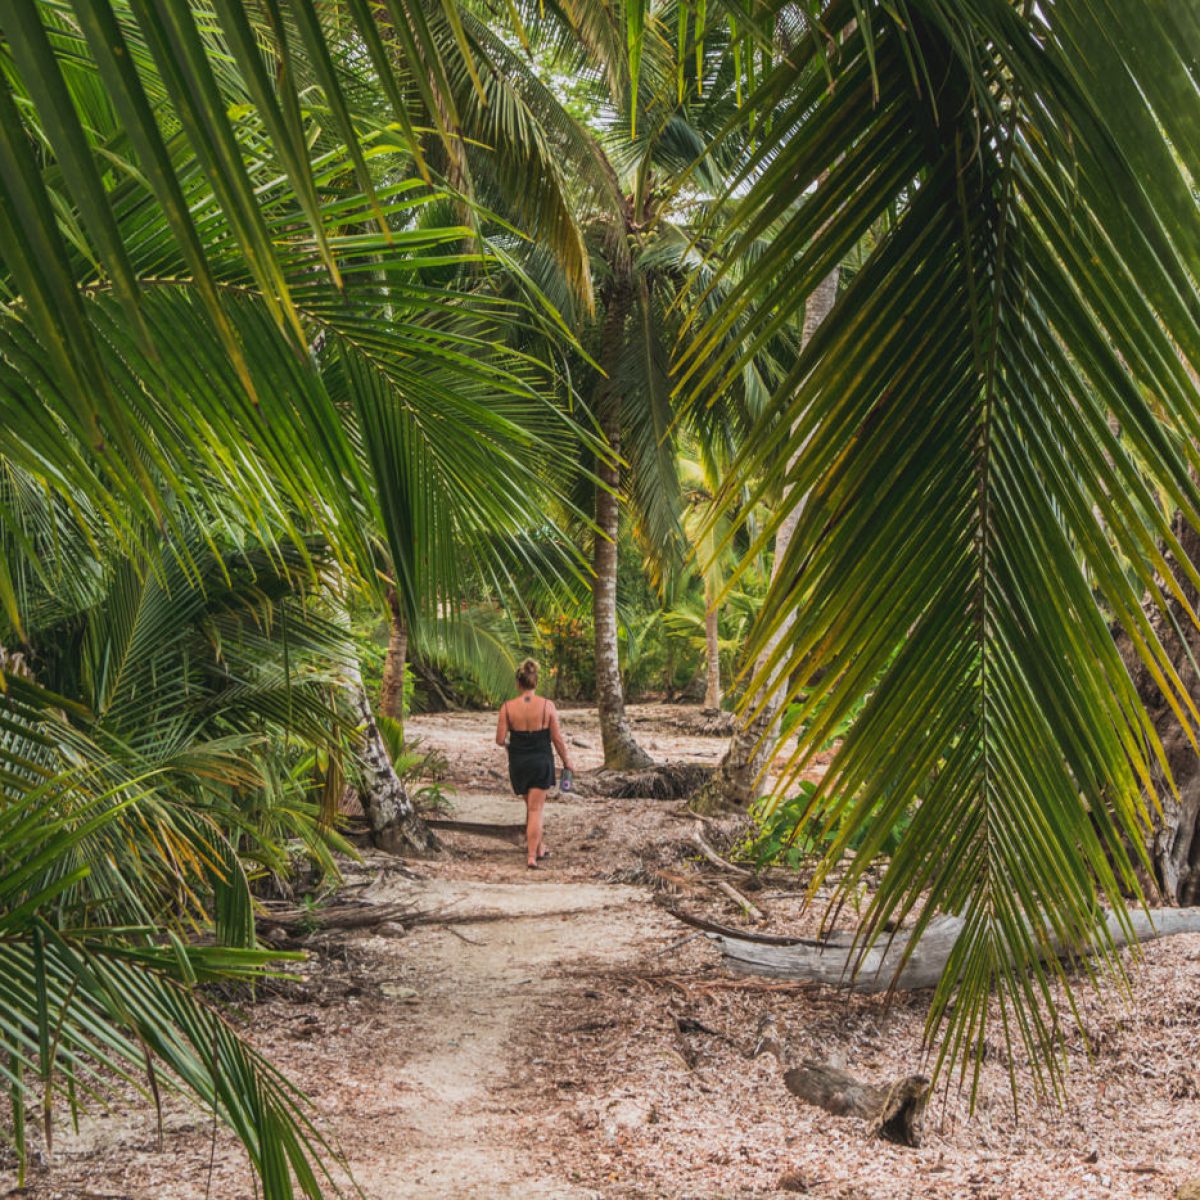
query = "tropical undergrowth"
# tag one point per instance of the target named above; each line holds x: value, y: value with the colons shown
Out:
x: 173, y: 736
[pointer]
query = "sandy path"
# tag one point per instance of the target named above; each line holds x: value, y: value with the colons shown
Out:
x: 424, y: 1055
x: 486, y: 986
x: 581, y: 1047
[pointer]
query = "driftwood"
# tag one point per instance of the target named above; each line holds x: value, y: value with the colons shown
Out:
x: 504, y: 833
x: 896, y: 1111
x: 838, y: 963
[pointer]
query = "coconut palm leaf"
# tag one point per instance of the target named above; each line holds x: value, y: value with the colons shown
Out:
x: 481, y: 642
x: 90, y: 989
x: 240, y: 219
x: 187, y: 676
x: 987, y: 419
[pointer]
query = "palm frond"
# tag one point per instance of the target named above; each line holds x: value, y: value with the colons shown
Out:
x: 81, y: 1001
x: 970, y: 521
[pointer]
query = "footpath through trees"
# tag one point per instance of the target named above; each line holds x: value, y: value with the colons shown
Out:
x: 466, y: 1028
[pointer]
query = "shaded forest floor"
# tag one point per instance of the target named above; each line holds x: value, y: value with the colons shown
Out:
x: 565, y: 1037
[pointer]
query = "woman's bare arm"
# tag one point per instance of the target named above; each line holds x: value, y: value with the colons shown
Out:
x: 557, y: 738
x: 502, y: 725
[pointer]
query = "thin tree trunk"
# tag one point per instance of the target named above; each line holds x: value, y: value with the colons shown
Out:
x: 712, y: 650
x: 753, y: 742
x: 391, y: 697
x: 621, y: 751
x: 394, y: 823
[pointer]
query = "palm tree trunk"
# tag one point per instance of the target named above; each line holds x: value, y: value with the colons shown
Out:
x: 621, y: 751
x: 712, y: 651
x: 753, y: 742
x: 391, y: 695
x: 1174, y: 843
x: 394, y: 823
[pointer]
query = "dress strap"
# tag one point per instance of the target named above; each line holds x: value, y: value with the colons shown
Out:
x: 545, y: 713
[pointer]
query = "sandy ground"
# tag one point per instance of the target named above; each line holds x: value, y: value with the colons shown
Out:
x: 574, y: 1041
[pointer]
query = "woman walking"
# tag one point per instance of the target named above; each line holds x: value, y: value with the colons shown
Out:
x: 529, y: 727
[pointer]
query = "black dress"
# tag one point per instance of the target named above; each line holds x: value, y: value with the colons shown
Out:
x: 530, y: 755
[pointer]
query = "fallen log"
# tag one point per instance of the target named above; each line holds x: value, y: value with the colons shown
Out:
x: 896, y: 1111
x: 838, y: 963
x: 504, y: 833
x: 361, y: 915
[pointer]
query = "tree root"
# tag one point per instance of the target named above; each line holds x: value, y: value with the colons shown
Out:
x: 408, y: 834
x: 663, y: 781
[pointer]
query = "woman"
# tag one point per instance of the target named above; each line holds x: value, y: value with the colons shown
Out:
x: 530, y: 723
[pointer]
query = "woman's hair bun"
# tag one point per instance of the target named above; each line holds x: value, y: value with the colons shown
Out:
x: 527, y: 674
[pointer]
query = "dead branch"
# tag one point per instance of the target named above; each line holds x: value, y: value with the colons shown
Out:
x: 753, y: 910
x: 713, y: 857
x: 765, y: 939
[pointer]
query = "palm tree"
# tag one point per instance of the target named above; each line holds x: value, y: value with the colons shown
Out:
x: 752, y: 745
x: 702, y: 531
x: 162, y: 722
x: 608, y: 191
x: 225, y: 310
x: 642, y: 216
x: 201, y: 317
x: 969, y: 521
x: 702, y: 467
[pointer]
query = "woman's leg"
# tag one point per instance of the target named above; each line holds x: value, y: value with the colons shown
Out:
x: 535, y: 800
